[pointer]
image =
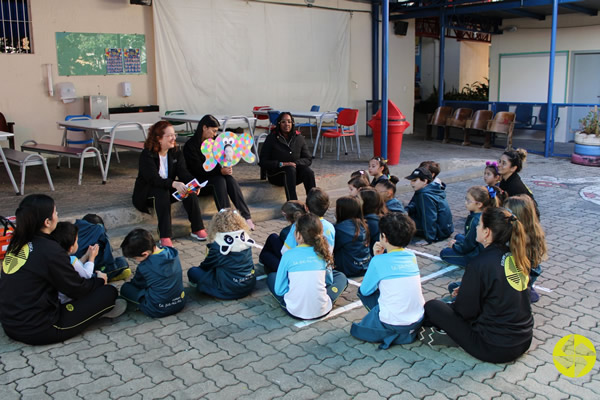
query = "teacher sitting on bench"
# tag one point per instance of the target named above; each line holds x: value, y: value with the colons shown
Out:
x: 286, y: 158
x: 221, y: 182
x: 161, y: 164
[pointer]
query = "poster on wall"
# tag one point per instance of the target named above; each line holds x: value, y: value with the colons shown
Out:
x: 83, y: 53
x: 114, y: 61
x: 133, y: 62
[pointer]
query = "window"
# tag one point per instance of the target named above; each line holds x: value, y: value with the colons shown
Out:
x: 15, y: 27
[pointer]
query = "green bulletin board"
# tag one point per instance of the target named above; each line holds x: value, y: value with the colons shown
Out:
x: 85, y: 53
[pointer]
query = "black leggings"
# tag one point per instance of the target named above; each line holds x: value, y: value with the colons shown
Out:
x: 162, y: 206
x: 223, y: 187
x: 74, y: 317
x: 442, y: 316
x: 289, y: 177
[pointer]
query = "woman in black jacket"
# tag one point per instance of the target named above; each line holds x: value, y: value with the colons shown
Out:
x: 286, y: 158
x: 510, y: 164
x: 491, y: 318
x: 162, y: 169
x: 221, y: 182
x: 35, y: 269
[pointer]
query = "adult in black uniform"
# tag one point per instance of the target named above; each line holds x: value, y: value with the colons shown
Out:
x: 221, y: 183
x: 491, y: 318
x: 35, y: 269
x: 286, y: 158
x: 162, y: 170
x: 510, y: 164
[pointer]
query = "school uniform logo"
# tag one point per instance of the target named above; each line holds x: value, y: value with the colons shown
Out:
x: 13, y: 262
x: 516, y: 279
x: 574, y: 356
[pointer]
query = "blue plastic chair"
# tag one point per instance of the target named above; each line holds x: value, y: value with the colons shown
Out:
x: 76, y: 143
x: 309, y: 125
x: 524, y: 118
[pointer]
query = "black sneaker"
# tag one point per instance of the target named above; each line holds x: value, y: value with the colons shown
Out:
x: 435, y: 337
x: 534, y: 296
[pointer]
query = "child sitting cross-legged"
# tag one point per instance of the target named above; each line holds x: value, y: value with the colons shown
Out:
x: 317, y: 202
x: 428, y: 207
x: 351, y: 252
x: 465, y: 247
x: 270, y: 255
x: 359, y: 179
x: 157, y: 286
x: 391, y: 288
x: 373, y: 208
x: 304, y: 284
x: 387, y: 190
x: 227, y: 272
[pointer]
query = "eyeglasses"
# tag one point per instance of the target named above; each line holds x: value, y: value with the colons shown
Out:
x: 171, y: 135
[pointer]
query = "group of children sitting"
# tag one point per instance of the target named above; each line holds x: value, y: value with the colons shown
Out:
x: 308, y: 263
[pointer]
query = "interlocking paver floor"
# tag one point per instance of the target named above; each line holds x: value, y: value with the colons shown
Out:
x: 250, y: 348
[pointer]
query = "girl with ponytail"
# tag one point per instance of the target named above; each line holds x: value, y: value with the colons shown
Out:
x: 304, y: 284
x: 491, y: 318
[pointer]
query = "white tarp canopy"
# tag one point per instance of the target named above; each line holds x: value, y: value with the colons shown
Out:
x: 226, y: 56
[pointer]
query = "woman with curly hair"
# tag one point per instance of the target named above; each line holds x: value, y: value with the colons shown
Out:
x: 161, y: 170
x: 304, y: 284
x: 227, y: 272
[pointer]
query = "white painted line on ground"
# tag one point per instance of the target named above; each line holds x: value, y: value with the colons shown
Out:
x: 333, y: 313
x: 543, y: 289
x: 352, y: 282
x: 439, y: 273
x: 420, y: 253
x: 261, y: 277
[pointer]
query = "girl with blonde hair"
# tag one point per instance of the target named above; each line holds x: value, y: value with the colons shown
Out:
x: 304, y: 284
x: 227, y: 272
x: 523, y: 208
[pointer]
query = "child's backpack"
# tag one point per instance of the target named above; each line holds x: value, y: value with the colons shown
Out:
x: 8, y: 225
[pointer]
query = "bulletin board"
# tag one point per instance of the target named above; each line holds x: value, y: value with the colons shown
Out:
x: 523, y: 77
x: 100, y: 53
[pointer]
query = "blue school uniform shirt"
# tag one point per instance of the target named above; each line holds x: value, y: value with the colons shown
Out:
x: 351, y: 255
x: 431, y: 213
x: 302, y: 279
x: 469, y: 244
x: 394, y: 205
x: 396, y: 275
x: 372, y: 221
x: 159, y: 277
x: 328, y: 231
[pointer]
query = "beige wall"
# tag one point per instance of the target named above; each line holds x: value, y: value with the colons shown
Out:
x: 474, y: 62
x: 25, y: 98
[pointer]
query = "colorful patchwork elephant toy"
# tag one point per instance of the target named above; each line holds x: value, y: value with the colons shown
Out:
x: 227, y: 149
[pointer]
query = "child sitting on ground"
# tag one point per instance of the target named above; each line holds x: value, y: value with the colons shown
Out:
x: 391, y: 288
x: 492, y: 179
x: 351, y: 251
x: 270, y: 255
x: 435, y: 170
x: 227, y: 272
x: 358, y: 179
x: 304, y: 285
x: 387, y: 189
x: 523, y: 207
x: 378, y: 169
x: 429, y: 208
x: 65, y: 234
x: 92, y: 231
x: 317, y: 202
x: 373, y: 209
x: 465, y: 247
x: 157, y: 286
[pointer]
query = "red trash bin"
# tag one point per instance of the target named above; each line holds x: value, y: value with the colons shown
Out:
x: 396, y: 126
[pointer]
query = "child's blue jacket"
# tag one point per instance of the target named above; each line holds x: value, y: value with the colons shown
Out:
x: 351, y: 255
x: 431, y: 213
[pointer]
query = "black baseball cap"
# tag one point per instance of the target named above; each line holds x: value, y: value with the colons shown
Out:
x: 420, y: 173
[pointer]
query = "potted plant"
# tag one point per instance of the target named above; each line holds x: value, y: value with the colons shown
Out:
x: 590, y: 129
x: 587, y: 140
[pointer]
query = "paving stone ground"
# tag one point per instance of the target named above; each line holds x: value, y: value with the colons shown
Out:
x: 250, y: 349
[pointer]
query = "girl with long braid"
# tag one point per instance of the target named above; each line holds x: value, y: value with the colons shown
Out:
x: 304, y: 284
x: 491, y: 318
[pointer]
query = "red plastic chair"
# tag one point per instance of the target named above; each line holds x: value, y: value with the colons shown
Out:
x: 346, y: 127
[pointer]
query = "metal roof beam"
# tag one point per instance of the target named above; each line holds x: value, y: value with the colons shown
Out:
x: 473, y: 9
x: 527, y: 14
x: 583, y: 10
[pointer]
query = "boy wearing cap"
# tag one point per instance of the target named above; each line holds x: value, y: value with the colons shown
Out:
x: 428, y: 207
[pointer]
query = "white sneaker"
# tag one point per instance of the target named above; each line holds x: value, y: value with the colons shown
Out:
x: 118, y: 309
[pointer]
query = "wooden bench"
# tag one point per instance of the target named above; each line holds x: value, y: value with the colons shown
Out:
x: 458, y: 120
x: 24, y: 160
x: 65, y: 151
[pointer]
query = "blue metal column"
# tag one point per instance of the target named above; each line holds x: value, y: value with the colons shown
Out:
x: 441, y: 60
x: 549, y: 143
x: 375, y: 55
x: 385, y: 24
